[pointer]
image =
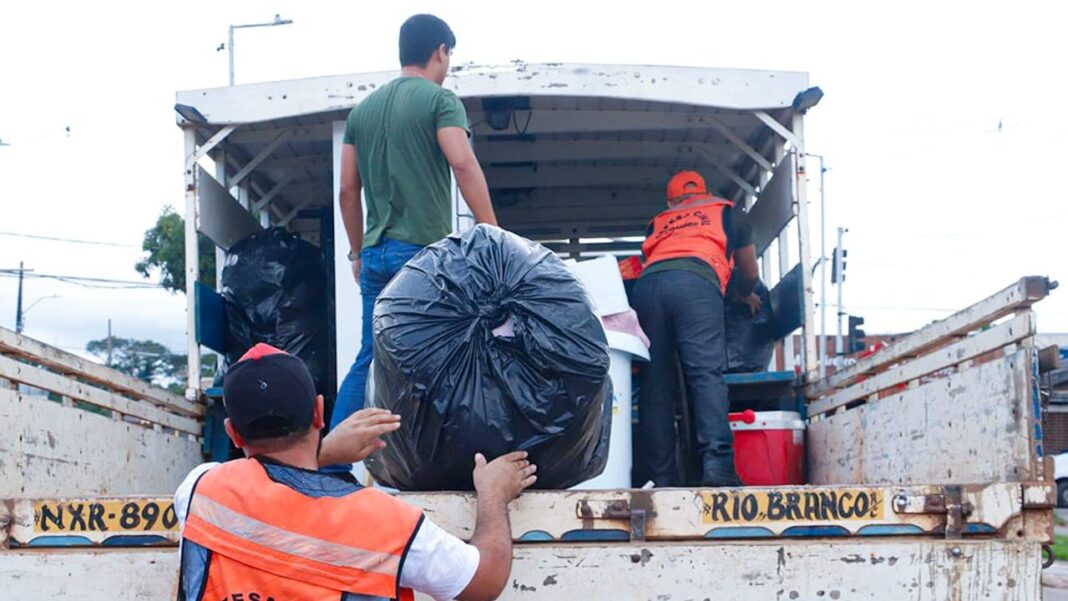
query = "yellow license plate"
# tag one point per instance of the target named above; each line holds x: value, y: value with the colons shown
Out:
x: 818, y: 505
x: 142, y: 515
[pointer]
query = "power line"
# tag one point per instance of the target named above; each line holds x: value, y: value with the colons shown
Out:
x: 86, y: 282
x: 71, y: 240
x: 903, y: 308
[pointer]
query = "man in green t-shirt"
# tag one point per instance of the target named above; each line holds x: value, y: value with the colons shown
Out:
x: 398, y: 147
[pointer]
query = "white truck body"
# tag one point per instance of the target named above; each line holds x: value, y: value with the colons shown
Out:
x: 926, y: 473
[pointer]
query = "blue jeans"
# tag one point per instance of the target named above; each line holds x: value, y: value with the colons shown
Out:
x: 379, y: 264
x: 682, y: 313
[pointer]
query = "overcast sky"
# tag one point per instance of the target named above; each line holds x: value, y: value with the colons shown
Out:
x: 937, y: 123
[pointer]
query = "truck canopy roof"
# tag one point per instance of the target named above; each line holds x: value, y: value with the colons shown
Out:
x: 576, y: 155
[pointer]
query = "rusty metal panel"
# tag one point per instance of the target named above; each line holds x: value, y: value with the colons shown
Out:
x: 1022, y: 327
x: 919, y: 570
x: 63, y: 362
x: 89, y: 522
x: 1020, y: 295
x: 144, y: 411
x: 1040, y: 494
x: 852, y: 570
x: 570, y: 516
x: 89, y: 575
x: 692, y: 514
x: 973, y: 426
x: 834, y: 446
x: 51, y: 450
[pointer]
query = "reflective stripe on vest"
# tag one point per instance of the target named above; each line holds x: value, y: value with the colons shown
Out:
x: 284, y: 541
x: 265, y: 530
x: 692, y: 229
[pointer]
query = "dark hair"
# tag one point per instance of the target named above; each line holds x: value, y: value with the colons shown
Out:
x: 281, y: 442
x: 273, y: 426
x: 420, y: 36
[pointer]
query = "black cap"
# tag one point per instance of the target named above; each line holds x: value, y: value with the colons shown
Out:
x: 268, y: 393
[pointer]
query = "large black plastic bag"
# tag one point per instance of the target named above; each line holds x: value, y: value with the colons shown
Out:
x: 274, y: 286
x: 460, y: 388
x: 750, y: 338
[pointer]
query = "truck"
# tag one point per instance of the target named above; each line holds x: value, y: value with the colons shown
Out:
x: 926, y: 477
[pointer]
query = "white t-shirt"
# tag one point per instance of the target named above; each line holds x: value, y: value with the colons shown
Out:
x: 438, y: 564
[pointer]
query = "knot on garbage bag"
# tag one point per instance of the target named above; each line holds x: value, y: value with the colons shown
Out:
x: 492, y: 311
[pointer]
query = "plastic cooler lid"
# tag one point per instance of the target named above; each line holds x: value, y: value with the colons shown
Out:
x: 627, y: 343
x: 766, y: 420
x: 603, y: 282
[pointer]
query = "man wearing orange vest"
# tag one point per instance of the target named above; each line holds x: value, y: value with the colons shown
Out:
x: 272, y: 527
x: 691, y: 251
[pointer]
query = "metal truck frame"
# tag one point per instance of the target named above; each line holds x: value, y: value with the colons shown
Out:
x: 927, y: 476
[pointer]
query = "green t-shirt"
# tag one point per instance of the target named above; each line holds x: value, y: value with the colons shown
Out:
x: 406, y: 179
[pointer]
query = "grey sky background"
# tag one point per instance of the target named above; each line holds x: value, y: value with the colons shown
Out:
x: 938, y: 123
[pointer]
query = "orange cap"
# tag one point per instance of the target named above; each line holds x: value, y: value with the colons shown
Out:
x: 686, y: 184
x: 261, y: 350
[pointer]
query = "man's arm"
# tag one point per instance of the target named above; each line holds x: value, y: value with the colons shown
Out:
x: 747, y: 272
x: 349, y: 201
x: 496, y: 483
x: 453, y: 143
x: 184, y: 493
x: 357, y: 437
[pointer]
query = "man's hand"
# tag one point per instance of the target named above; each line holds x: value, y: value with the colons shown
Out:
x: 497, y: 483
x: 754, y: 303
x: 356, y: 438
x: 356, y: 265
x: 503, y: 478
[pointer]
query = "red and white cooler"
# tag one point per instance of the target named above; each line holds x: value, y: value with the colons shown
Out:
x: 769, y: 447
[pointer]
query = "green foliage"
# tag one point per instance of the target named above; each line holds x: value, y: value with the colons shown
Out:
x: 164, y: 247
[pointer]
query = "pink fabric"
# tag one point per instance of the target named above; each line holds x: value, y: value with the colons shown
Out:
x: 626, y: 323
x: 505, y: 330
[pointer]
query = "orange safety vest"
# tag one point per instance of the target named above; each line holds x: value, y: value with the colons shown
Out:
x: 270, y: 541
x: 692, y: 228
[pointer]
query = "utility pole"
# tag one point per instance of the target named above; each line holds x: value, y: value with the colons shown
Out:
x: 822, y: 354
x: 18, y: 303
x: 839, y: 263
x: 109, y: 342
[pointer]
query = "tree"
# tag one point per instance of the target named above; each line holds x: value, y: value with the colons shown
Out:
x: 146, y: 360
x: 150, y: 361
x: 164, y: 246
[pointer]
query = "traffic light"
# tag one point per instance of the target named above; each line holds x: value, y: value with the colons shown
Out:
x: 855, y: 339
x: 838, y: 265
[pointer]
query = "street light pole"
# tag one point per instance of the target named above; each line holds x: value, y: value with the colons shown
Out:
x: 823, y: 276
x: 822, y: 354
x: 230, y: 38
x: 230, y: 47
x: 21, y: 324
x: 18, y: 303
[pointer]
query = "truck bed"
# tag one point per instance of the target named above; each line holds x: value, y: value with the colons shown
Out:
x: 927, y: 459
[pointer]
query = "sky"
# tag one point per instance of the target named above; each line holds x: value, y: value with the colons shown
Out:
x: 937, y: 122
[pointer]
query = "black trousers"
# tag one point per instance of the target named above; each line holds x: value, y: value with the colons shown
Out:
x: 682, y: 314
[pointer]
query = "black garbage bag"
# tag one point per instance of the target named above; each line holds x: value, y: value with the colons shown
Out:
x: 750, y: 337
x: 487, y: 343
x: 274, y: 287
